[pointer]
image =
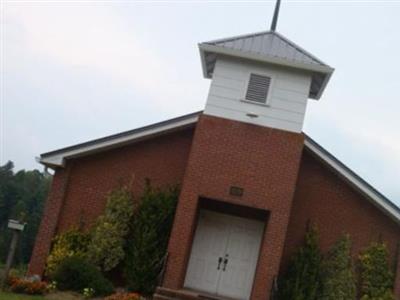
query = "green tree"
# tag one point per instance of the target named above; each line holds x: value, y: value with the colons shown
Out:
x: 376, y: 278
x: 22, y: 196
x: 106, y: 248
x: 338, y: 281
x: 150, y: 231
x: 302, y: 280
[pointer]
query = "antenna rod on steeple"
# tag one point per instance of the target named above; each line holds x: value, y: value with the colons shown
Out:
x: 276, y: 15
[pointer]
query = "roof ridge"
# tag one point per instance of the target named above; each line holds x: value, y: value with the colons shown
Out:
x: 236, y: 37
x: 299, y: 48
x: 269, y: 32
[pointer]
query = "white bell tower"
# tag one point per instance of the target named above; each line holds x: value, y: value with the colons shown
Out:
x: 262, y: 78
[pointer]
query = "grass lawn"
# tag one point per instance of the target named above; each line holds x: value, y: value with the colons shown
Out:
x: 51, y: 296
x: 11, y: 296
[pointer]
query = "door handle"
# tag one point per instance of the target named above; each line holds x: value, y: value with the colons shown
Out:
x: 225, y: 263
x: 219, y: 263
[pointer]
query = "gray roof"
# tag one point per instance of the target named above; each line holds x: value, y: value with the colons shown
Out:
x: 269, y: 47
x: 58, y: 158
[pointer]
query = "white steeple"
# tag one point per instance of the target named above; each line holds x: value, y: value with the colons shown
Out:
x: 262, y: 78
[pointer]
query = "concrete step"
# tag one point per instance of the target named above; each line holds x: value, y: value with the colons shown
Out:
x: 182, y: 295
x: 161, y: 297
x: 165, y: 291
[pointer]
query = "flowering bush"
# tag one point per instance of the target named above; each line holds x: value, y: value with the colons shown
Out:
x: 88, y: 293
x: 23, y: 286
x: 123, y: 296
x: 67, y: 244
x: 52, y: 286
x: 11, y: 280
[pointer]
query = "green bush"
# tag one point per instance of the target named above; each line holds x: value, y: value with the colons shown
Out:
x: 147, y: 245
x: 76, y: 274
x: 68, y: 244
x: 302, y: 280
x: 338, y: 281
x: 376, y: 278
x: 107, y: 243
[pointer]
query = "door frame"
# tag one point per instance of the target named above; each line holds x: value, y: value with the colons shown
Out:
x: 232, y: 209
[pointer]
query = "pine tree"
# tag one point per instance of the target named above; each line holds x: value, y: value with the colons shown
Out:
x: 302, y: 280
x: 376, y: 278
x: 338, y: 281
x: 106, y: 248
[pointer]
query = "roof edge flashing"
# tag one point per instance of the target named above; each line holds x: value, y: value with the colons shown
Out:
x: 58, y: 158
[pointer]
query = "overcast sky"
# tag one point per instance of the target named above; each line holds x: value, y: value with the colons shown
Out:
x: 74, y: 71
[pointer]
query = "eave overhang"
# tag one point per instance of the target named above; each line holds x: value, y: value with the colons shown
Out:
x: 58, y: 158
x: 320, y: 74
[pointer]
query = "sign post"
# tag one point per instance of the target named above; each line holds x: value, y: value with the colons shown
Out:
x: 17, y: 227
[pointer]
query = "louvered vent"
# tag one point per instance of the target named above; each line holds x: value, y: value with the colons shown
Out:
x: 258, y: 88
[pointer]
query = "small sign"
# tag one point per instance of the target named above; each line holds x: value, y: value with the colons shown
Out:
x: 16, y: 225
x: 236, y: 191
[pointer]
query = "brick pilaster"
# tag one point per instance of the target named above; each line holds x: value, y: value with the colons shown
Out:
x: 48, y: 225
x: 264, y: 162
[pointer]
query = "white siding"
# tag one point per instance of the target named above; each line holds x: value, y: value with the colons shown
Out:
x: 287, y: 99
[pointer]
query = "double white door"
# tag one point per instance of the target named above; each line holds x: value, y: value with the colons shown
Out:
x: 224, y: 255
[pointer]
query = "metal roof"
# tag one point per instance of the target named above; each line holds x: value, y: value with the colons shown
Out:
x: 58, y: 158
x: 269, y: 47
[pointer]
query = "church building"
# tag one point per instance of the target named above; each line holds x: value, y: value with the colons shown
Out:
x: 251, y: 179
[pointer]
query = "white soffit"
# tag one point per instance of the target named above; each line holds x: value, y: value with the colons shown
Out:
x: 58, y: 158
x: 269, y: 47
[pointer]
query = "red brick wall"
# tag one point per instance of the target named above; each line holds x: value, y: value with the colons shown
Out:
x: 161, y: 159
x: 48, y: 225
x: 327, y: 200
x: 264, y: 162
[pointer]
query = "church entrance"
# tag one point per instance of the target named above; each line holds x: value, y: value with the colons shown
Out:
x: 224, y: 255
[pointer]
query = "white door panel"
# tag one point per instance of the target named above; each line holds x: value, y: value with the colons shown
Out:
x: 209, y: 244
x: 227, y: 237
x: 242, y: 250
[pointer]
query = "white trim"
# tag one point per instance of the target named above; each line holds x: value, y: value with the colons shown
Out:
x: 203, y: 62
x: 58, y: 158
x: 324, y: 70
x: 378, y: 199
x: 268, y: 59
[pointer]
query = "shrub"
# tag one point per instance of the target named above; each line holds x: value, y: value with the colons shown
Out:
x: 338, y: 281
x: 302, y: 280
x: 106, y: 248
x: 76, y: 274
x: 10, y: 280
x: 376, y: 279
x: 27, y: 287
x: 68, y: 244
x: 123, y: 296
x: 151, y: 226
